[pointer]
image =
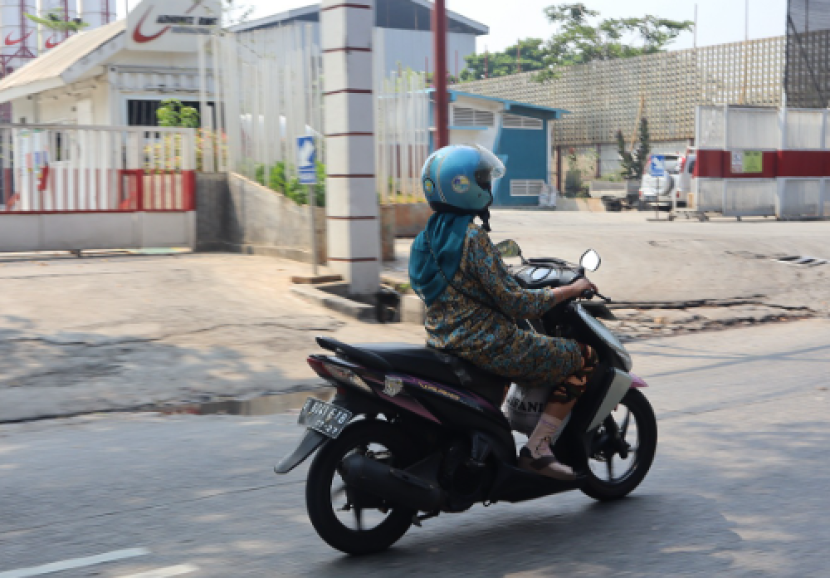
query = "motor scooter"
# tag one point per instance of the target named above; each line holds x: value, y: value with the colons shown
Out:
x: 413, y: 432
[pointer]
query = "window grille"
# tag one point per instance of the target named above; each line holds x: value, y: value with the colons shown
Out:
x: 463, y: 116
x: 516, y: 121
x: 526, y: 188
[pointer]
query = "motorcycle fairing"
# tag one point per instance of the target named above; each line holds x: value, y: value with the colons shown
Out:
x: 620, y: 384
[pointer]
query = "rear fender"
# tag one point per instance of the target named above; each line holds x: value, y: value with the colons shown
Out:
x: 313, y: 440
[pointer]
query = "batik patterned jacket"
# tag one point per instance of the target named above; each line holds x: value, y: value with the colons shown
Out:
x: 475, y: 319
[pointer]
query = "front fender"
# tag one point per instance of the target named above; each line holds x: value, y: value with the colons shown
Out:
x: 637, y: 381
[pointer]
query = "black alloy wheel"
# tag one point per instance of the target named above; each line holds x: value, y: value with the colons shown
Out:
x: 347, y: 519
x: 622, y: 450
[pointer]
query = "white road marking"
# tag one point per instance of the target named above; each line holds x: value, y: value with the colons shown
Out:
x: 166, y: 572
x: 75, y: 563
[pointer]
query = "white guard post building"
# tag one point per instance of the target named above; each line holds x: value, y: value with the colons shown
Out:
x: 73, y: 174
x: 116, y: 74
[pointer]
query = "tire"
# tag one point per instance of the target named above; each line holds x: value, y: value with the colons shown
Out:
x: 646, y: 423
x: 641, y: 205
x: 319, y: 485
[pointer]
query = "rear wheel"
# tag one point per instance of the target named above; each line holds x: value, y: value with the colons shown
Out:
x: 346, y: 519
x: 623, y: 449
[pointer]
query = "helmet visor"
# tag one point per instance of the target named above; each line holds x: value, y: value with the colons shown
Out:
x: 490, y: 163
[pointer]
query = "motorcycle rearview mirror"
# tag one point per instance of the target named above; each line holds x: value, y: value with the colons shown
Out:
x: 590, y: 260
x: 509, y: 249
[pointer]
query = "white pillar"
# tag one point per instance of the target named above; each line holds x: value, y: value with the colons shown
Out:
x: 351, y: 198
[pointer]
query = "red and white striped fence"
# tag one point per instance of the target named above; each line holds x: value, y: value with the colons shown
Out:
x: 84, y: 182
x: 56, y: 168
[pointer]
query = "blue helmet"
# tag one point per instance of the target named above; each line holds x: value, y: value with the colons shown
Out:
x: 459, y: 178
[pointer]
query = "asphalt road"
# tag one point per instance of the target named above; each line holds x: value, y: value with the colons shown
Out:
x: 738, y: 487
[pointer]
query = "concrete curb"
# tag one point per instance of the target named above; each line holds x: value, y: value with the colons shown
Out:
x: 413, y: 310
x: 359, y: 311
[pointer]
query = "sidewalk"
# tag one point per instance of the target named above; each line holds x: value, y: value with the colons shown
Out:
x: 662, y: 262
x: 121, y: 332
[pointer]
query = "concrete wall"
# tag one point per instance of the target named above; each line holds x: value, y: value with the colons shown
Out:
x: 410, y: 219
x: 88, y: 231
x: 239, y: 215
x: 589, y: 205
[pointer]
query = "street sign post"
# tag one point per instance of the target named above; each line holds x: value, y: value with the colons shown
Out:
x: 307, y: 169
x: 657, y: 168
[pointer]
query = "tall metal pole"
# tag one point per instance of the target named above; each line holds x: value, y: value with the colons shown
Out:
x: 695, y: 26
x: 439, y: 36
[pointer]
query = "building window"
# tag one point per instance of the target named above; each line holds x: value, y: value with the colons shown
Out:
x: 463, y: 116
x: 526, y: 188
x: 144, y: 112
x: 523, y: 122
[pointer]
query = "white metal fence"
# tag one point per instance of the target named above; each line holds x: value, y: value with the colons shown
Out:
x: 402, y: 135
x: 268, y: 86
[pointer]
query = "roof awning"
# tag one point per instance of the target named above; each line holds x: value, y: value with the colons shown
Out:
x: 520, y: 108
x: 71, y: 61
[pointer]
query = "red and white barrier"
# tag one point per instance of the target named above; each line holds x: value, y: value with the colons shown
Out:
x: 755, y: 159
x: 79, y: 187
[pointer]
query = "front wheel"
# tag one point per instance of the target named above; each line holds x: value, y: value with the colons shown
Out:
x: 347, y: 519
x: 622, y: 450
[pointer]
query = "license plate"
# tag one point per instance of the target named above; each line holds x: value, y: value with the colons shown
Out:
x: 324, y: 417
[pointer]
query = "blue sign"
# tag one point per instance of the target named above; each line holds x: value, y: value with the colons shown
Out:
x: 306, y: 160
x: 657, y: 166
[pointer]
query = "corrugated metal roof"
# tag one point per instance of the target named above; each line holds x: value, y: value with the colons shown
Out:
x: 55, y: 62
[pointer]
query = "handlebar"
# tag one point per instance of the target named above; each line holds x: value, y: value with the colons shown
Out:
x: 590, y: 294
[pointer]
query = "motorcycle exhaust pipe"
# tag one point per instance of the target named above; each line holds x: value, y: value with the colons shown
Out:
x: 395, y: 486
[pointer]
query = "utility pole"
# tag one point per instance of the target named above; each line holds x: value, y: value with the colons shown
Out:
x: 439, y: 36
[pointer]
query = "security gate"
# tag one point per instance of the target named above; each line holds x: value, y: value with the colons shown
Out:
x: 65, y: 187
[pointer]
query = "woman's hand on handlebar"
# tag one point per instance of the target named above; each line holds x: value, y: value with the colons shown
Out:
x: 578, y: 288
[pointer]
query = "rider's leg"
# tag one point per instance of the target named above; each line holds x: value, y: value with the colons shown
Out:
x: 538, y: 454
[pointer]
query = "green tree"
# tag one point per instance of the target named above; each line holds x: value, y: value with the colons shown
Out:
x: 526, y: 55
x: 173, y: 113
x: 582, y: 36
x: 633, y: 162
x: 56, y: 20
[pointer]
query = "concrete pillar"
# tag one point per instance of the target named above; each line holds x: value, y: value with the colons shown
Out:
x: 351, y: 197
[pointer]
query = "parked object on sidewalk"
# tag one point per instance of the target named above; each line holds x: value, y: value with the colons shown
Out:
x: 673, y: 187
x: 414, y: 432
x: 616, y: 195
x: 548, y: 196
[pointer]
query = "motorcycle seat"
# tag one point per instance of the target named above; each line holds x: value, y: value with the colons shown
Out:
x: 424, y: 362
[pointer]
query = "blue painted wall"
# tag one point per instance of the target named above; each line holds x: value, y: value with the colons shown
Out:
x: 527, y: 158
x: 523, y: 152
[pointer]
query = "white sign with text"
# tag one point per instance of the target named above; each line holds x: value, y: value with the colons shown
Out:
x: 171, y: 25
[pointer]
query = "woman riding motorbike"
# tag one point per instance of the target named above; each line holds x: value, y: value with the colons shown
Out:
x: 473, y: 303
